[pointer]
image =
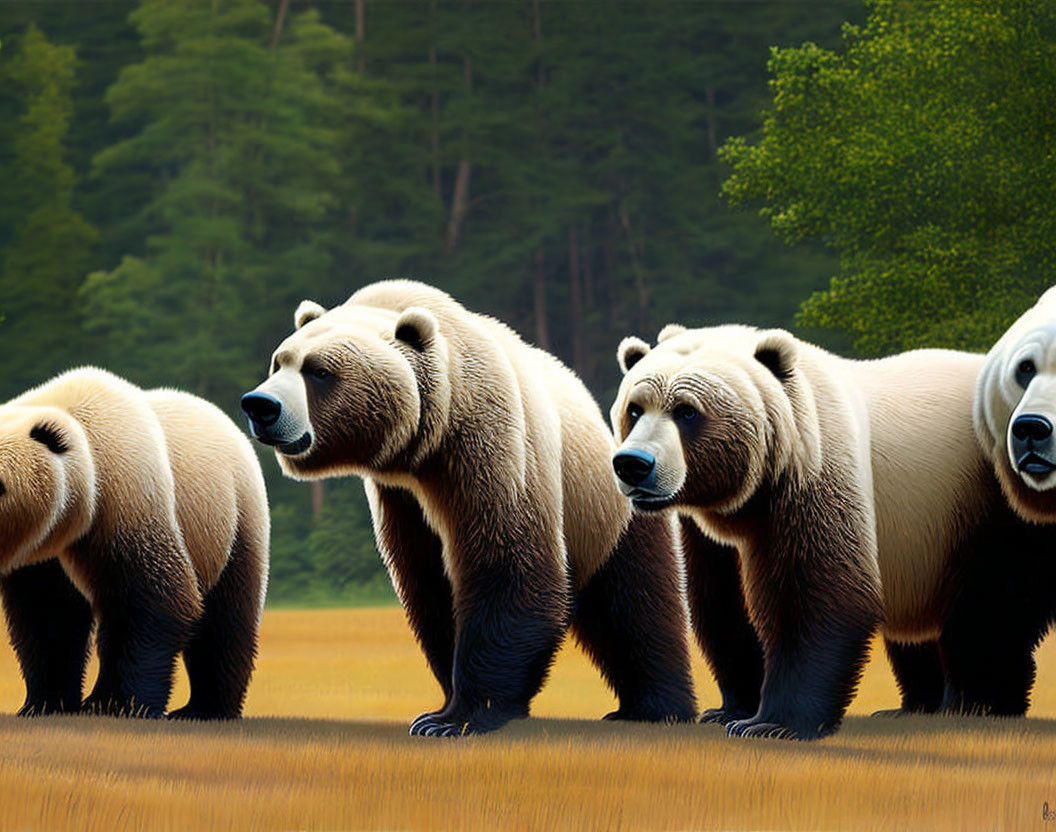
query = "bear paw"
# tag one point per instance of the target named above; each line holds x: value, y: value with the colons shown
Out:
x: 759, y: 729
x: 722, y: 716
x: 47, y: 707
x: 98, y: 706
x: 436, y: 725
x: 893, y: 712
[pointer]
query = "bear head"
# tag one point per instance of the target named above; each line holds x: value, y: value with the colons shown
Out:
x: 47, y: 483
x: 354, y: 390
x: 708, y: 415
x: 1015, y: 411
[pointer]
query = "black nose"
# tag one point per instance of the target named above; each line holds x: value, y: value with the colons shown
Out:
x: 1031, y: 426
x: 633, y: 466
x: 261, y: 408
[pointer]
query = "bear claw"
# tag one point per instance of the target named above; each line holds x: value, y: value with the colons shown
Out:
x: 761, y: 730
x: 433, y: 725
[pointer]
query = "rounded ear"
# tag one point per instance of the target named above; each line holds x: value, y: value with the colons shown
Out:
x: 630, y: 352
x: 777, y: 351
x: 51, y: 437
x: 307, y: 310
x: 670, y: 331
x: 416, y: 327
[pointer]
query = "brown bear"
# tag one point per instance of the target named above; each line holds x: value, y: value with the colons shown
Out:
x: 845, y: 496
x: 144, y: 512
x: 487, y: 467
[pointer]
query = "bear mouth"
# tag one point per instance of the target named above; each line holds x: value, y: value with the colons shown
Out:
x: 1035, y: 465
x: 647, y: 501
x: 295, y: 447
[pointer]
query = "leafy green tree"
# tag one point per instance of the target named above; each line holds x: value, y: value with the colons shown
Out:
x: 44, y: 242
x: 923, y: 153
x: 233, y: 124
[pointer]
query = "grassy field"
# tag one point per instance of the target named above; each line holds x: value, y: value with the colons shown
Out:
x: 324, y: 746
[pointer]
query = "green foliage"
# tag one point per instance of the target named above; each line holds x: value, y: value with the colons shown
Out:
x: 45, y: 241
x: 923, y: 153
x: 236, y: 135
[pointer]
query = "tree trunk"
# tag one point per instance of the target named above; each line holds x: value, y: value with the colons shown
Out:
x: 361, y: 58
x: 542, y: 333
x: 579, y: 353
x: 280, y: 21
x: 709, y: 97
x: 642, y: 290
x: 460, y: 198
x: 318, y: 498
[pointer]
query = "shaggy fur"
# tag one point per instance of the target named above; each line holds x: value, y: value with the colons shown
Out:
x: 487, y: 466
x: 850, y: 508
x: 145, y: 513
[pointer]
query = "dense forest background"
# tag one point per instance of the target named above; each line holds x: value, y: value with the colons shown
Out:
x: 176, y: 175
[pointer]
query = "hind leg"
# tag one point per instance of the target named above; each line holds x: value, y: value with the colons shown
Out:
x: 1004, y: 609
x: 631, y: 621
x: 720, y: 621
x: 919, y: 673
x: 49, y: 622
x: 221, y: 654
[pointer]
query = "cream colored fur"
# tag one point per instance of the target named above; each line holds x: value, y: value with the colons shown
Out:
x: 519, y: 461
x: 901, y: 425
x: 133, y: 457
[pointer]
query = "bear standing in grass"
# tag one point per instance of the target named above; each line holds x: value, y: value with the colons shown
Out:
x: 487, y: 466
x: 146, y: 513
x: 855, y: 496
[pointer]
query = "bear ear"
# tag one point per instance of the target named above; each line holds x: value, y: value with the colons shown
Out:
x: 307, y: 310
x: 51, y: 437
x: 670, y: 331
x: 416, y: 327
x: 777, y: 351
x: 630, y: 352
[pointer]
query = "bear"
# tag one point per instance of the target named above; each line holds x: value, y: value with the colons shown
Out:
x: 820, y: 499
x: 486, y: 464
x: 145, y: 514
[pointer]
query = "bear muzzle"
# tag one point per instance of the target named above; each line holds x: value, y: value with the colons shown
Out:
x: 1032, y: 444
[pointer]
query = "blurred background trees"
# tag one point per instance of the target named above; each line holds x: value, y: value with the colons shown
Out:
x: 175, y: 175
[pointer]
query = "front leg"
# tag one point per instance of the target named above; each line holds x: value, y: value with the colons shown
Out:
x: 719, y: 614
x: 146, y: 601
x: 413, y: 554
x: 50, y: 623
x: 814, y: 597
x: 512, y: 606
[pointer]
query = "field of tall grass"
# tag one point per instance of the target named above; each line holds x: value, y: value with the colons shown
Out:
x: 324, y: 745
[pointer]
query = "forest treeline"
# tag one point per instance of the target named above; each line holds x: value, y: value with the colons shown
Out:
x: 176, y: 175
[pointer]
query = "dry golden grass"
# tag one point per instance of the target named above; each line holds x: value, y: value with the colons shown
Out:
x: 324, y: 746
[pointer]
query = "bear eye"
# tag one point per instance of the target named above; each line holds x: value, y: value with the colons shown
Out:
x: 685, y: 413
x: 634, y: 413
x: 3, y: 488
x: 1025, y: 371
x: 319, y: 372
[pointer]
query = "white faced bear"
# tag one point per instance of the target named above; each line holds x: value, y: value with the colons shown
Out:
x: 1015, y: 408
x: 487, y: 465
x: 146, y: 513
x: 855, y: 496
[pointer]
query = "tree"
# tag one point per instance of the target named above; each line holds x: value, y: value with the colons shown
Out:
x: 232, y: 119
x: 45, y: 242
x: 923, y: 153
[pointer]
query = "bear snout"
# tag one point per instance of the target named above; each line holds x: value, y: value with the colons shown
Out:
x: 633, y: 466
x: 263, y: 410
x: 1032, y: 444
